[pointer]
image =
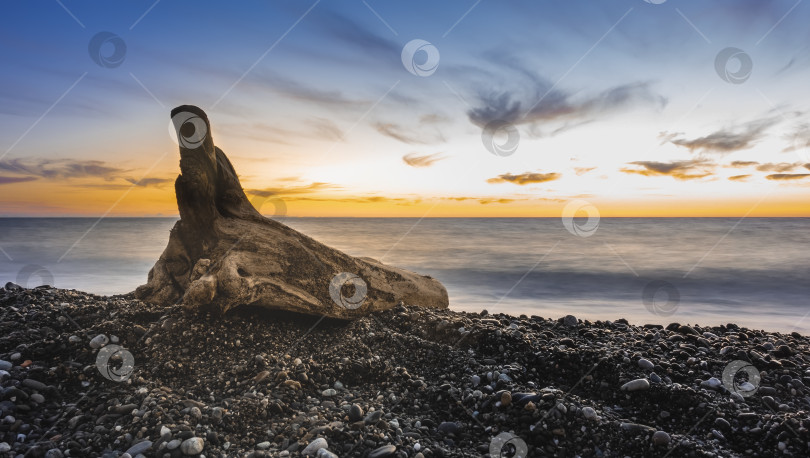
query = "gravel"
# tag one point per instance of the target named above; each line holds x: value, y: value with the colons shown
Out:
x: 404, y: 382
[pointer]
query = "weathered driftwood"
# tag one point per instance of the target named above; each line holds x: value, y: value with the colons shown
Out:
x: 223, y: 253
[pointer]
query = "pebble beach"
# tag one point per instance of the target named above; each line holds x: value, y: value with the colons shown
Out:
x: 85, y: 375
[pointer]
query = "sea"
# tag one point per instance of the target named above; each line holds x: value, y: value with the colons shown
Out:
x: 754, y: 272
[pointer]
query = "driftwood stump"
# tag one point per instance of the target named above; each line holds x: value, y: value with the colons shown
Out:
x: 223, y: 253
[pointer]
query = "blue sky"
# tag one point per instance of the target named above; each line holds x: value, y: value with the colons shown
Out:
x: 617, y: 102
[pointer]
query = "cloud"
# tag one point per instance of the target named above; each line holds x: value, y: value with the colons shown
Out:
x: 525, y: 178
x: 61, y: 168
x: 296, y: 90
x: 740, y: 164
x: 356, y: 200
x: 739, y: 178
x: 541, y: 103
x: 416, y: 160
x: 316, y: 128
x: 807, y: 166
x: 150, y: 182
x: 726, y: 140
x: 781, y: 167
x: 12, y: 180
x: 396, y: 132
x: 292, y: 190
x: 787, y: 176
x: 325, y: 129
x: 420, y: 135
x: 583, y: 170
x: 495, y: 201
x: 680, y: 170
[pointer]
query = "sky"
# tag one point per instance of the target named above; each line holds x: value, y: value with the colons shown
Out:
x: 412, y: 108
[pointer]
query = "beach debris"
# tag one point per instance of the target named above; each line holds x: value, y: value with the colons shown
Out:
x: 223, y: 253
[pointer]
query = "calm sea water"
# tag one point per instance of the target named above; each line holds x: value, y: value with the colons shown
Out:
x: 754, y: 272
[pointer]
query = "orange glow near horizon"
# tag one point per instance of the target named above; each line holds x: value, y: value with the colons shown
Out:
x: 33, y: 199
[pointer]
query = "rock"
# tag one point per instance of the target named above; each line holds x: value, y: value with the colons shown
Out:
x: 312, y: 448
x: 54, y: 453
x: 570, y: 321
x: 329, y: 392
x: 589, y: 413
x: 770, y: 402
x: 324, y: 453
x: 475, y: 380
x: 192, y: 446
x: 5, y: 365
x: 683, y: 329
x: 646, y: 364
x: 722, y: 423
x: 355, y: 413
x: 381, y: 452
x: 140, y: 447
x: 449, y: 427
x: 712, y: 384
x: 34, y: 384
x: 639, y: 384
x: 4, y: 447
x: 223, y: 253
x: 635, y: 427
x: 99, y: 341
x: 660, y: 438
x: 173, y: 444
x: 506, y: 398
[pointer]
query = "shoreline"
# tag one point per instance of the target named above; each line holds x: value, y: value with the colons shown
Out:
x: 255, y: 383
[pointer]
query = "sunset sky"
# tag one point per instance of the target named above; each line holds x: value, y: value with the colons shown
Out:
x: 636, y: 107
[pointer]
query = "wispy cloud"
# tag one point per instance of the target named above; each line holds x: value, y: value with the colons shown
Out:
x: 150, y: 182
x: 495, y: 201
x: 739, y: 177
x: 680, y: 170
x: 726, y: 140
x: 551, y: 110
x: 420, y: 135
x: 583, y: 170
x: 61, y: 168
x: 358, y: 36
x: 525, y: 178
x: 425, y: 160
x: 741, y: 164
x: 292, y: 190
x: 787, y: 176
x: 780, y: 167
x: 12, y: 180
